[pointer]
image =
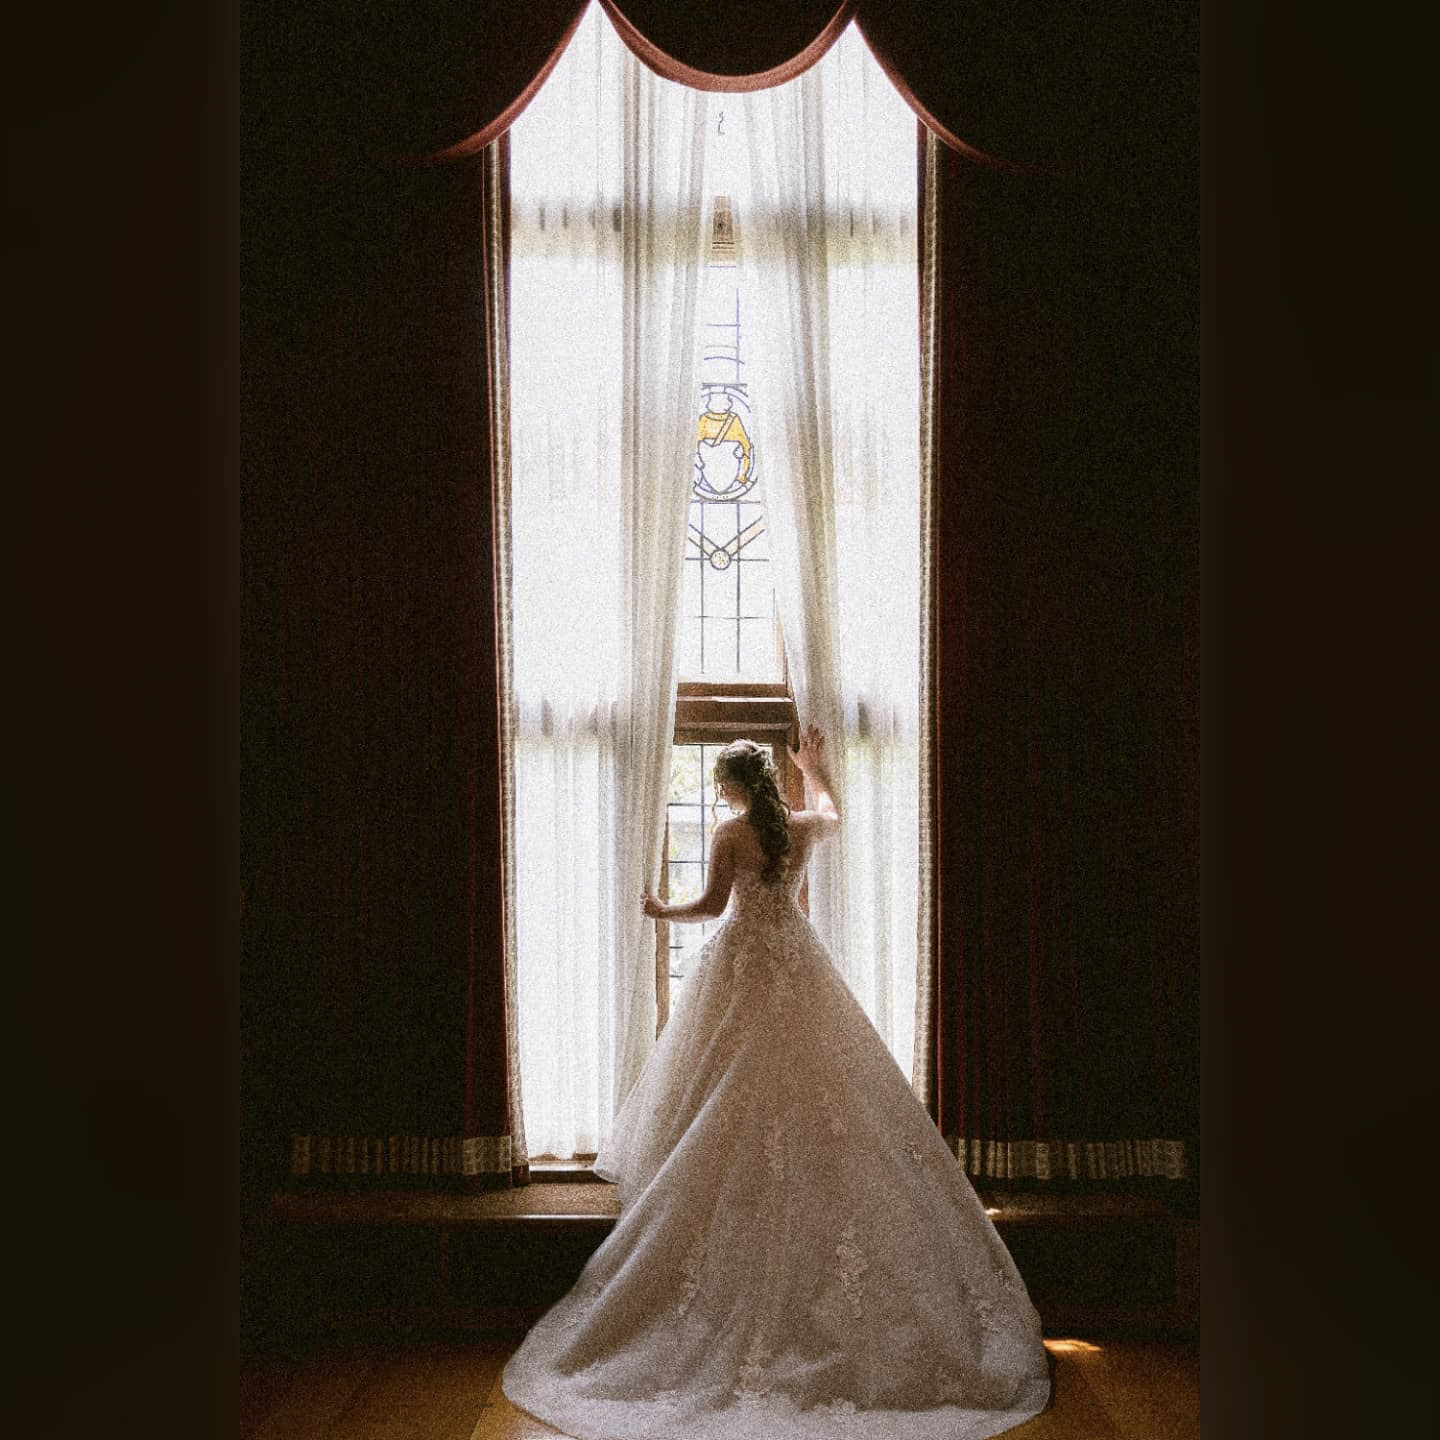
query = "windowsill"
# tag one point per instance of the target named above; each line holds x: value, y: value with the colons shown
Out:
x: 576, y: 1197
x: 704, y: 713
x: 577, y: 1171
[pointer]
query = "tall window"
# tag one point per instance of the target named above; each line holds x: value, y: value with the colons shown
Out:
x: 571, y: 340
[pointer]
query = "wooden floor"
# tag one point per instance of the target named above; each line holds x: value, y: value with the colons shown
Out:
x: 1106, y: 1390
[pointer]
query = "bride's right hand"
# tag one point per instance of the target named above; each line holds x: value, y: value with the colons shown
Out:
x: 809, y: 755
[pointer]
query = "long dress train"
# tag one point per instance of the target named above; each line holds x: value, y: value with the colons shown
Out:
x: 798, y: 1254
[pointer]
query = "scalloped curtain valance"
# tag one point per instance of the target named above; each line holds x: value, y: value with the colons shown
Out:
x: 1023, y: 83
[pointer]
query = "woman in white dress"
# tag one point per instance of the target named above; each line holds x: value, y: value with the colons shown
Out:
x: 798, y: 1254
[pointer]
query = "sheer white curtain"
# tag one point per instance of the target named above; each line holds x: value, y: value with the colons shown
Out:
x: 606, y: 192
x: 833, y: 173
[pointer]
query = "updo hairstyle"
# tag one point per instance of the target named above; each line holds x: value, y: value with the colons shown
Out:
x: 744, y: 763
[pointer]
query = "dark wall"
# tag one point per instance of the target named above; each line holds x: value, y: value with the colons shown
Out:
x: 1069, y: 601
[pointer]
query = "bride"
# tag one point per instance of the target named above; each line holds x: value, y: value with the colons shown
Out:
x: 798, y: 1253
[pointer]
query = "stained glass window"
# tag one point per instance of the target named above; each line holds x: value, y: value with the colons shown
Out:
x: 728, y: 627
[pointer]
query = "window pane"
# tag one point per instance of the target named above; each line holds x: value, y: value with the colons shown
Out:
x: 727, y: 519
x: 686, y: 881
x: 757, y: 642
x: 685, y: 774
x: 691, y: 824
x: 752, y: 527
x: 720, y: 583
x: 720, y: 643
x: 688, y: 646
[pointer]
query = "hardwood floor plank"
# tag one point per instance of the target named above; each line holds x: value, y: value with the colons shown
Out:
x: 468, y: 1376
x: 502, y: 1421
x: 1150, y: 1391
x: 430, y: 1392
x: 1074, y: 1412
x: 265, y: 1380
x: 451, y: 1391
x: 322, y: 1387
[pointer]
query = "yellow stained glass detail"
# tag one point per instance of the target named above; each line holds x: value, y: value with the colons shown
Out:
x: 723, y: 449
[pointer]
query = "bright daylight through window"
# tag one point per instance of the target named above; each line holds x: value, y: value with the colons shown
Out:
x: 646, y: 216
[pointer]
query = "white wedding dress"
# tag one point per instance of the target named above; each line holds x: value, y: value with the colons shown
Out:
x: 798, y: 1254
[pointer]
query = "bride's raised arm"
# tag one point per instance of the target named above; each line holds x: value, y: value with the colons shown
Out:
x: 809, y: 758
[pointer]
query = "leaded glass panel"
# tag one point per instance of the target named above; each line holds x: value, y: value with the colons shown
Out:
x: 728, y: 626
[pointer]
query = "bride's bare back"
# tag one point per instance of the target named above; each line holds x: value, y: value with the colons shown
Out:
x: 807, y: 828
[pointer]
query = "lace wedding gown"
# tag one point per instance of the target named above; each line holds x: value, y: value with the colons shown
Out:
x: 798, y: 1254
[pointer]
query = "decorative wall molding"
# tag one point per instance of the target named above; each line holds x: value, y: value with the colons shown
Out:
x: 400, y: 1155
x: 1071, y: 1159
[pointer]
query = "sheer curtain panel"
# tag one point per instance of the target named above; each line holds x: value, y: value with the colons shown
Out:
x: 605, y: 273
x: 834, y: 172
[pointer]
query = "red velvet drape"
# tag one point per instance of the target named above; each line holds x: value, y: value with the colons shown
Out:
x: 1067, y: 657
x: 372, y: 992
x: 373, y: 989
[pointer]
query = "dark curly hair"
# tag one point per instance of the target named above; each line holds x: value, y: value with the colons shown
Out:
x: 749, y: 765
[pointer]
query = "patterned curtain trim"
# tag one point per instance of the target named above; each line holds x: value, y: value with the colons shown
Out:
x: 1071, y: 1159
x: 496, y: 218
x: 401, y: 1155
x: 920, y: 1070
